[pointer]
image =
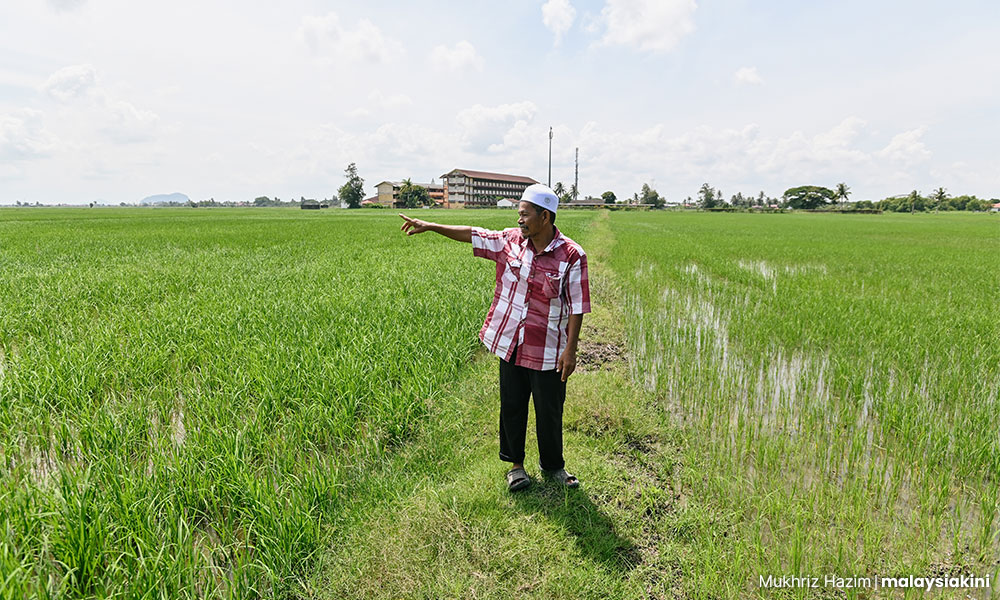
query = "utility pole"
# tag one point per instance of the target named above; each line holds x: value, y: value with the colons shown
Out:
x: 550, y: 158
x: 576, y: 176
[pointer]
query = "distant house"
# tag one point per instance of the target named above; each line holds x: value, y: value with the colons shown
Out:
x: 586, y: 202
x: 309, y: 205
x: 388, y: 193
x: 995, y: 207
x: 463, y: 187
x: 504, y: 203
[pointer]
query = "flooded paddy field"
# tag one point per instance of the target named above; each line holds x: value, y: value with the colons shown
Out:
x: 837, y: 377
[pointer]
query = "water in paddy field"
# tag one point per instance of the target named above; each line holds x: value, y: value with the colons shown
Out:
x: 809, y: 358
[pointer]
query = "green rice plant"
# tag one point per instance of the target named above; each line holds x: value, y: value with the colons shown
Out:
x: 841, y: 368
x: 186, y: 397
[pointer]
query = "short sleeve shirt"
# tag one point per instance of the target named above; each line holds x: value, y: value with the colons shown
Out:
x: 535, y: 295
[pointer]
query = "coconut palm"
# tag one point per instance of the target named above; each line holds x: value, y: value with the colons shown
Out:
x: 842, y: 192
x: 939, y: 196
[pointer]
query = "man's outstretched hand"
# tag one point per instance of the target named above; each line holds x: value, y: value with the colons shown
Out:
x: 459, y: 233
x: 412, y: 226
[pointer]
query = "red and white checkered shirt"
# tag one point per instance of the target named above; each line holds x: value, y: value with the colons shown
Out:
x: 534, y: 297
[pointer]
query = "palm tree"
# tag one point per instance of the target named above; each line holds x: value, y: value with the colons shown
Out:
x: 939, y: 196
x: 559, y: 189
x: 706, y: 196
x: 404, y: 193
x: 842, y: 192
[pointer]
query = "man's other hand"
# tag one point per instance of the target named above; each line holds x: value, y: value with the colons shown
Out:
x: 412, y: 226
x: 567, y: 363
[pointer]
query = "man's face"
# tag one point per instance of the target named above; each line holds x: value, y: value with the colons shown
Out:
x: 530, y: 219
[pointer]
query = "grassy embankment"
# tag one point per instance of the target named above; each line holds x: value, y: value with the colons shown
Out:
x: 437, y: 521
x: 800, y: 410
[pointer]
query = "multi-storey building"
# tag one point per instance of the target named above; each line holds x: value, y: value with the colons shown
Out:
x: 388, y: 193
x: 463, y: 187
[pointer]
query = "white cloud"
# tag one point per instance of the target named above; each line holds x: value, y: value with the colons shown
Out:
x: 10, y: 171
x: 841, y: 135
x: 392, y: 101
x: 747, y: 76
x: 23, y: 136
x: 744, y: 159
x: 558, y: 16
x: 121, y: 108
x: 71, y: 83
x: 398, y: 150
x: 484, y: 127
x: 66, y: 5
x: 798, y: 156
x: 460, y: 58
x: 124, y: 123
x: 906, y: 147
x: 92, y: 109
x: 327, y: 38
x: 591, y: 23
x: 383, y: 102
x: 648, y: 25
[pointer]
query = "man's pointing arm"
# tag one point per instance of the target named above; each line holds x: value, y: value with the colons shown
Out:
x: 459, y: 233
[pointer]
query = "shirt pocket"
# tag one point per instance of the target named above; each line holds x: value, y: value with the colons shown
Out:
x: 511, y: 271
x: 550, y: 283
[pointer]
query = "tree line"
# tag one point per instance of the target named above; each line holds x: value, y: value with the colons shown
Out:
x: 813, y: 197
x: 807, y: 197
x: 818, y: 197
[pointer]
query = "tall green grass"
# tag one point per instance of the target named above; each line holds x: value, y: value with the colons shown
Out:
x: 838, y: 378
x: 186, y: 395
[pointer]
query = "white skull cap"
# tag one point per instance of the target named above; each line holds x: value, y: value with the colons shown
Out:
x: 541, y: 195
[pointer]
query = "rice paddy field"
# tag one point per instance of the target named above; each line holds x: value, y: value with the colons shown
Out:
x: 182, y: 390
x: 837, y: 378
x: 187, y: 397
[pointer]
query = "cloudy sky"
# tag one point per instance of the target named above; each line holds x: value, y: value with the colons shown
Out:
x: 114, y: 100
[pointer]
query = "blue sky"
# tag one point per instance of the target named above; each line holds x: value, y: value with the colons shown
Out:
x: 111, y: 100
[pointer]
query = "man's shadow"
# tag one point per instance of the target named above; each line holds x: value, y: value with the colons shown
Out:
x: 593, y: 531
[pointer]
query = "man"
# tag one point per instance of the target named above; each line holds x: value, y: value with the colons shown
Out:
x: 542, y: 292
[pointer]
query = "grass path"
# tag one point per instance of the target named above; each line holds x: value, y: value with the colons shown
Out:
x: 435, y: 520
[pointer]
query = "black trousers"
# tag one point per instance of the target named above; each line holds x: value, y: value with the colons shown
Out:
x: 549, y: 394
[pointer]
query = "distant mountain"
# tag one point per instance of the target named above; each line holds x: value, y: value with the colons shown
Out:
x: 165, y: 199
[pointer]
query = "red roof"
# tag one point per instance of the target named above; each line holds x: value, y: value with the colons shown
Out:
x: 494, y: 176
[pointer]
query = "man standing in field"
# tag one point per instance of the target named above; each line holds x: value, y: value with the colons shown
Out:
x: 533, y: 325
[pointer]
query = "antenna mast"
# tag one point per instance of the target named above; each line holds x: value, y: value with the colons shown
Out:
x: 550, y: 157
x: 576, y: 176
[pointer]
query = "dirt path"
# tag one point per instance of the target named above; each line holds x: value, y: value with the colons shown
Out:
x: 437, y: 521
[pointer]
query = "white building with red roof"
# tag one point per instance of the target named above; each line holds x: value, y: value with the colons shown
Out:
x: 482, y: 189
